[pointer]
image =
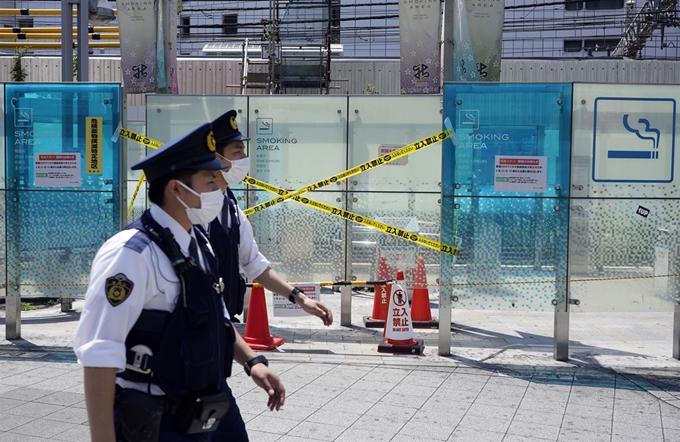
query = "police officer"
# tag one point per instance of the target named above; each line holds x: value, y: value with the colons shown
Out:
x: 154, y: 335
x: 232, y: 235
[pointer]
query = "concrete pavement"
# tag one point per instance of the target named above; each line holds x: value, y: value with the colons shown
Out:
x: 499, y: 384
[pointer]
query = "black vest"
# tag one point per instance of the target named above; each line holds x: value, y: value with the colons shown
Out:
x: 193, y: 346
x: 225, y: 242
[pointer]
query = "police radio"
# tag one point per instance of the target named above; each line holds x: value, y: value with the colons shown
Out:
x: 179, y: 261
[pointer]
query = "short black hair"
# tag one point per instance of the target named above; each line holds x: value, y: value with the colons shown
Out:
x: 157, y: 187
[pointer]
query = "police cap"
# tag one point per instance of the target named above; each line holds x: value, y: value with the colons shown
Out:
x: 195, y: 150
x: 226, y: 129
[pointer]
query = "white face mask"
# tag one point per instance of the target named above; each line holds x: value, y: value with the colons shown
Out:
x: 238, y: 170
x: 211, y: 205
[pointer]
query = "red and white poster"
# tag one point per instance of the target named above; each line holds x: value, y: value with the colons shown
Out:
x: 520, y: 174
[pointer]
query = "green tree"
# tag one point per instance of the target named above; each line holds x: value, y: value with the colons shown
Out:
x: 18, y: 72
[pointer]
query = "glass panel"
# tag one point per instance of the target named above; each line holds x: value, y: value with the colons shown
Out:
x: 303, y: 244
x: 538, y: 127
x: 296, y: 141
x: 513, y: 252
x: 50, y: 250
x: 615, y: 254
x: 506, y: 189
x: 2, y: 139
x: 170, y: 116
x: 623, y: 226
x: 63, y: 167
x: 625, y: 141
x: 46, y: 136
x: 379, y: 125
x: 415, y: 212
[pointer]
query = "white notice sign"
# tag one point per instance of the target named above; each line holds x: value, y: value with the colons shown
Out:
x: 283, y: 307
x: 384, y: 149
x: 520, y: 174
x: 57, y: 170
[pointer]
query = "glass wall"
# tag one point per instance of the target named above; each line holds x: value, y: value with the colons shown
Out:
x: 296, y: 141
x: 63, y: 183
x: 505, y: 194
x: 624, y: 209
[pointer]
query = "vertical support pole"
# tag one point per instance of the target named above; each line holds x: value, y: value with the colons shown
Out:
x: 13, y: 313
x: 82, y: 14
x: 66, y: 41
x: 83, y: 42
x: 246, y: 304
x: 444, y: 341
x: 444, y: 335
x: 447, y: 48
x: 561, y: 339
x: 676, y: 332
x: 346, y: 305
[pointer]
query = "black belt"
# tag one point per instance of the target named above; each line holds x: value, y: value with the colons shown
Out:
x: 169, y: 407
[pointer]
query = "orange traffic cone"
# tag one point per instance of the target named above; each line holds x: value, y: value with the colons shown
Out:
x: 257, y: 334
x: 398, y: 329
x: 380, y: 301
x: 420, y: 307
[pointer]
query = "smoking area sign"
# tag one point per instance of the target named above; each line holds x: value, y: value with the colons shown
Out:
x: 634, y: 140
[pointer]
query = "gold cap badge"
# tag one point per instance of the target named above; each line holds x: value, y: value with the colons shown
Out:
x: 210, y: 141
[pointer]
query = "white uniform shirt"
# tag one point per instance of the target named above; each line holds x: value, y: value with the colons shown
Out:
x: 103, y: 328
x: 251, y: 260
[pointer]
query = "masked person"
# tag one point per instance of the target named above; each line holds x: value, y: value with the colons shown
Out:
x: 231, y: 234
x: 154, y: 336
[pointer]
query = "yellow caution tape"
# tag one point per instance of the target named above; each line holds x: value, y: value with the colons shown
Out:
x: 134, y: 195
x: 125, y: 133
x: 359, y: 219
x: 148, y: 142
x: 384, y: 159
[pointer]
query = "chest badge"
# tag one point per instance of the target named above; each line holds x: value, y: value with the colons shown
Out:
x: 118, y: 289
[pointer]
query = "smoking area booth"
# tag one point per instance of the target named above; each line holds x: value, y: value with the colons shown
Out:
x: 560, y: 197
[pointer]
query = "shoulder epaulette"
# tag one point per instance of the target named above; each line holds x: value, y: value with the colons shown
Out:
x: 138, y: 242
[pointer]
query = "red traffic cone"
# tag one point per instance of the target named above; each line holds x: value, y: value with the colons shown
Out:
x: 398, y: 329
x: 420, y: 306
x: 257, y: 334
x: 380, y: 301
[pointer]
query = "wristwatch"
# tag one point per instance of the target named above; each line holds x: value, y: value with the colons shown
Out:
x: 296, y: 291
x: 256, y: 360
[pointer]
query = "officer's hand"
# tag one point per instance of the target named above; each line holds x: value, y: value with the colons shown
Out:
x: 269, y: 382
x: 318, y: 309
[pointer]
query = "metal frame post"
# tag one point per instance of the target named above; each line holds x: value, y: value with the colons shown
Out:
x: 676, y: 332
x: 561, y: 338
x: 444, y: 334
x: 13, y: 312
x: 82, y: 13
x: 346, y: 305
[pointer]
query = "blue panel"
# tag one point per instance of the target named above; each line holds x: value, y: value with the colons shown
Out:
x: 51, y: 119
x: 63, y: 188
x: 505, y: 119
x: 510, y: 138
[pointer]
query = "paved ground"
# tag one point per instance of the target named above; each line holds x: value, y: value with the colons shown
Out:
x: 499, y: 384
